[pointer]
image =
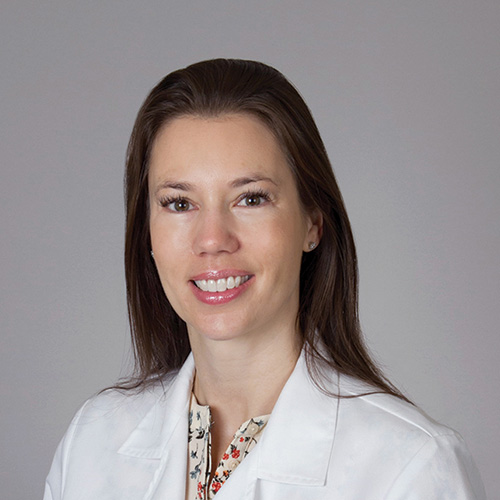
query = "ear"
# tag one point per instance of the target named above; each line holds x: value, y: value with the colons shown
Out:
x: 314, y: 230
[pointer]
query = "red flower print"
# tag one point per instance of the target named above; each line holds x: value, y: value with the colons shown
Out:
x: 216, y: 486
x: 235, y: 453
x: 225, y: 456
x: 241, y: 440
x: 200, y: 486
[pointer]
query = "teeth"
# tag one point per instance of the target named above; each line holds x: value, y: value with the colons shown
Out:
x: 221, y: 285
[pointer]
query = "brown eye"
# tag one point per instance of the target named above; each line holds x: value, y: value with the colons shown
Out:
x: 180, y: 205
x: 252, y: 200
x: 176, y: 204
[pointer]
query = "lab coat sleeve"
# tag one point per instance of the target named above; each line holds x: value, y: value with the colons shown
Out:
x: 54, y: 484
x: 441, y: 469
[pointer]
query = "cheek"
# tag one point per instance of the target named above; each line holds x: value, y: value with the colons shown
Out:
x: 292, y: 231
x: 170, y: 253
x: 280, y: 246
x: 167, y: 237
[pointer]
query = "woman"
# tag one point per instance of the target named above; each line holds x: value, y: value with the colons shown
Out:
x: 252, y: 377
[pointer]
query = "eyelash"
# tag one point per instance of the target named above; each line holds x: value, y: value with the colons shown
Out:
x: 165, y: 202
x: 260, y: 193
x: 257, y: 193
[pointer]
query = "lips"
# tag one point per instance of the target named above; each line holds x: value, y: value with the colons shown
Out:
x: 220, y: 287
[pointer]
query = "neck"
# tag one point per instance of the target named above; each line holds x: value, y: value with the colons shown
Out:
x: 239, y: 379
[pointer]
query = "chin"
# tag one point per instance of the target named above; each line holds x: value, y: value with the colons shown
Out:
x: 218, y: 330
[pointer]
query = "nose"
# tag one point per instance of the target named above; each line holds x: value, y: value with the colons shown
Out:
x: 214, y: 233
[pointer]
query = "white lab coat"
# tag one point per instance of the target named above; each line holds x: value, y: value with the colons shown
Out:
x: 134, y: 447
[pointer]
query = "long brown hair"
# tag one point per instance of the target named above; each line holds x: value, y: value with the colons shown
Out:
x: 328, y: 315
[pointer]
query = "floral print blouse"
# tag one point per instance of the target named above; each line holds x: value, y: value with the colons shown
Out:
x: 199, y: 451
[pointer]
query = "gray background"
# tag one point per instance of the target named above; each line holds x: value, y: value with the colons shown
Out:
x: 406, y: 94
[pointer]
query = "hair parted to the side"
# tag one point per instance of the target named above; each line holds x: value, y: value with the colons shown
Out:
x: 328, y: 315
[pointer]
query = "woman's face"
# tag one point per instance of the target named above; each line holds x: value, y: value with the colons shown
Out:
x: 227, y: 228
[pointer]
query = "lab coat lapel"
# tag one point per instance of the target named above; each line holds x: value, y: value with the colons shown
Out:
x: 297, y: 443
x: 162, y: 436
x: 295, y: 447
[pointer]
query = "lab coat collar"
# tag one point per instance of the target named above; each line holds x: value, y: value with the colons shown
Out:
x: 294, y: 449
x: 162, y: 435
x: 297, y: 443
x: 155, y: 431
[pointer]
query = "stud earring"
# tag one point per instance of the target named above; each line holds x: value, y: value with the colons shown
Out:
x: 152, y: 254
x: 312, y: 245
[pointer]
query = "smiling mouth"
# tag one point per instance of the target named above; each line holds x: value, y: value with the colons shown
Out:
x: 222, y: 284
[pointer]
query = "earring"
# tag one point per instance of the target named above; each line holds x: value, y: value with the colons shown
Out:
x: 312, y: 245
x: 152, y: 254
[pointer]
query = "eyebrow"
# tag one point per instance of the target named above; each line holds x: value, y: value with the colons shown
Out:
x: 242, y: 181
x: 181, y: 186
x: 239, y: 182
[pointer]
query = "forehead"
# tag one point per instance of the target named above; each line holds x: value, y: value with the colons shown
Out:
x: 229, y: 143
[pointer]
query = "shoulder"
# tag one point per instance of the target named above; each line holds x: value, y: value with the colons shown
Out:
x: 115, y: 413
x: 410, y: 450
x: 122, y: 399
x: 362, y: 407
x: 414, y: 448
x: 96, y: 432
x: 113, y: 426
x: 134, y: 402
x: 385, y: 414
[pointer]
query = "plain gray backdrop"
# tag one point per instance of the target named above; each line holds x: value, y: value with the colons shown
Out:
x: 406, y: 95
